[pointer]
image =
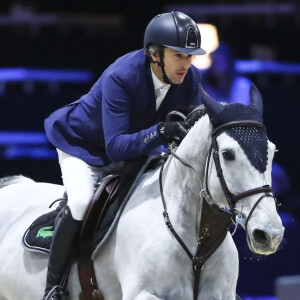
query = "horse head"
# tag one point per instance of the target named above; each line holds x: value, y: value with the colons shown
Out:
x: 239, y: 169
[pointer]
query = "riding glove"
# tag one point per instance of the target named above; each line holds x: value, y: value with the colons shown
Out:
x: 172, y: 131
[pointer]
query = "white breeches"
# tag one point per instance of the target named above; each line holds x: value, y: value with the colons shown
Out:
x: 80, y: 180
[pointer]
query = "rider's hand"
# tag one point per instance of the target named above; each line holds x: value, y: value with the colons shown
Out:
x: 172, y: 131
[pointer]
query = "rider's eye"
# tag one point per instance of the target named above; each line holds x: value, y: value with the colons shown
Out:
x: 228, y: 155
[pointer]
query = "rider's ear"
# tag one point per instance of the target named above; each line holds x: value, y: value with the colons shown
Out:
x: 155, y: 57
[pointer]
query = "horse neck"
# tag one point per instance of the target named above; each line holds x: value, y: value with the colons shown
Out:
x: 181, y: 184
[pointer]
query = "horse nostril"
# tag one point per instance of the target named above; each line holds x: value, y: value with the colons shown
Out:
x: 260, y: 236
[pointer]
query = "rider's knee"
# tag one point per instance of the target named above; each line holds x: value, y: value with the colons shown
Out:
x: 79, y: 203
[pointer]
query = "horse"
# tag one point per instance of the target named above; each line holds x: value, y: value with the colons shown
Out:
x: 141, y: 259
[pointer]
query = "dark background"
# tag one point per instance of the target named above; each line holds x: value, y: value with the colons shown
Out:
x: 90, y: 35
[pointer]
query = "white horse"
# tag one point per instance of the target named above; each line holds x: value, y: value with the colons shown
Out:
x: 141, y: 260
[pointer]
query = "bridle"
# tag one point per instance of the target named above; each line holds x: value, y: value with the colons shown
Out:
x: 231, y: 198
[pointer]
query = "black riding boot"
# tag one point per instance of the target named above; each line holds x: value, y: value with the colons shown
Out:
x: 64, y: 242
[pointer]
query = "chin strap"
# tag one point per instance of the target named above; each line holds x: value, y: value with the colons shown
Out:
x: 162, y: 66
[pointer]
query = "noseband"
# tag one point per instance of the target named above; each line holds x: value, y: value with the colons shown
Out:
x: 231, y: 198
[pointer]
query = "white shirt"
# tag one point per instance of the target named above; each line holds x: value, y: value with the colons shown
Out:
x: 160, y: 88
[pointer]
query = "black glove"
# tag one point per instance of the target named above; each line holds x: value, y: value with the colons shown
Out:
x: 172, y: 131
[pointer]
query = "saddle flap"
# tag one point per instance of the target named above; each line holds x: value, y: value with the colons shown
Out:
x: 105, y: 192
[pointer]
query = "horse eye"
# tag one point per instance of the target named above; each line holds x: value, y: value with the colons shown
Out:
x: 228, y: 155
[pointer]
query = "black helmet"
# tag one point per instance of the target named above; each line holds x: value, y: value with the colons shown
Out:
x: 174, y: 30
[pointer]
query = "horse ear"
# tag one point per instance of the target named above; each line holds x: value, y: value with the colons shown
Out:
x: 255, y: 98
x: 213, y: 107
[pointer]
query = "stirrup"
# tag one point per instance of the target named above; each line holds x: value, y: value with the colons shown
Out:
x: 56, y: 293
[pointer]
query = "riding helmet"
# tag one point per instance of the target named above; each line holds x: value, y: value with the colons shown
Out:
x: 174, y: 30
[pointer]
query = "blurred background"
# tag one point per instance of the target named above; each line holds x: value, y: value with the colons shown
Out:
x: 53, y: 51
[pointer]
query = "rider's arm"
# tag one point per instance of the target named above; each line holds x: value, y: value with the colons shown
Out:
x: 120, y: 143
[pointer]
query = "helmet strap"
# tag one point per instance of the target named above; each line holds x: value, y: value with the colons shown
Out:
x: 162, y: 66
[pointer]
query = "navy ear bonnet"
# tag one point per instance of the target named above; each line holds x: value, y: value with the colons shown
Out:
x: 253, y: 140
x: 235, y: 112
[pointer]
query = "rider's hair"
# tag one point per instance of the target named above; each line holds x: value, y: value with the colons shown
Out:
x: 153, y: 49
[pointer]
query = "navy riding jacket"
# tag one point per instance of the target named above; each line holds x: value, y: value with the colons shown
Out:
x: 117, y: 119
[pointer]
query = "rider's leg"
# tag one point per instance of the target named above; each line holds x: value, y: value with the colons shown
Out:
x: 63, y: 243
x: 78, y: 178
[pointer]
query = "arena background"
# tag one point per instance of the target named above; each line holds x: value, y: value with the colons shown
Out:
x: 52, y: 51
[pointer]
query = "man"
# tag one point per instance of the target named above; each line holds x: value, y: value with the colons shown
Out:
x: 121, y: 118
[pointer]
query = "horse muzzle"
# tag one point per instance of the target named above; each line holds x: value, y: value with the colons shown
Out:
x: 265, y: 241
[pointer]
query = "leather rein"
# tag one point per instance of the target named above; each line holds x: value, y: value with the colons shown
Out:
x: 232, y: 199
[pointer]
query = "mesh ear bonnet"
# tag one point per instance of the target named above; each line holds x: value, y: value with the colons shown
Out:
x: 253, y: 140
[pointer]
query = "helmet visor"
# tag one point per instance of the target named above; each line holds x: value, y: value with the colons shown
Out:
x: 192, y: 51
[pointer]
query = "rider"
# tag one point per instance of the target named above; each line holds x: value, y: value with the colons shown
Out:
x: 119, y: 119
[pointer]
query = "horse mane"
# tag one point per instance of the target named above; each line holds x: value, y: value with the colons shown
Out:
x: 194, y: 116
x: 16, y: 179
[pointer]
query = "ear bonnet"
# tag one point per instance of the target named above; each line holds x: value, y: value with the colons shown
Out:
x: 253, y: 140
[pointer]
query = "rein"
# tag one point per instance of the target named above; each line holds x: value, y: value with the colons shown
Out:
x: 197, y: 260
x: 232, y: 199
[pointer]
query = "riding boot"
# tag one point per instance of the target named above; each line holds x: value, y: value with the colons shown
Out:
x: 64, y: 243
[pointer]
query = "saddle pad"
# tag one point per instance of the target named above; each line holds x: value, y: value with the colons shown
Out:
x: 38, y: 236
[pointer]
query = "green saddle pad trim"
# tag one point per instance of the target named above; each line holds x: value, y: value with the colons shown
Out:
x: 45, y: 232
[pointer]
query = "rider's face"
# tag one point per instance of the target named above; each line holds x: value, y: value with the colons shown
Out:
x: 176, y: 65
